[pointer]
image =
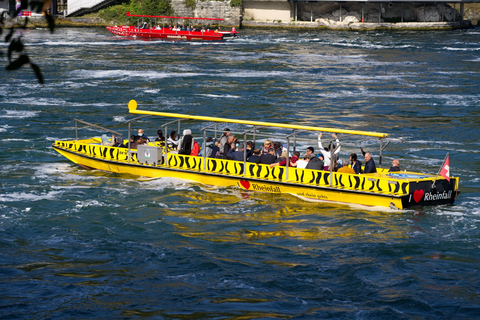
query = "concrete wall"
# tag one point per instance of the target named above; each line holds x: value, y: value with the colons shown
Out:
x: 267, y: 10
x: 209, y: 9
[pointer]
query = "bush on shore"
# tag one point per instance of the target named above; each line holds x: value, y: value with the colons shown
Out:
x: 118, y: 13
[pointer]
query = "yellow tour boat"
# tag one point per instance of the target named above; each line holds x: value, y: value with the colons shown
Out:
x: 399, y: 190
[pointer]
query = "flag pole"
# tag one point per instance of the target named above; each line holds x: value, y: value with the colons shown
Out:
x: 438, y: 173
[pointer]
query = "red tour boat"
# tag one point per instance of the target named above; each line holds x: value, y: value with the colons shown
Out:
x: 170, y: 32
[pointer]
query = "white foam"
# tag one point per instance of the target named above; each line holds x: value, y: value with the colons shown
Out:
x: 24, y: 196
x: 222, y: 96
x: 35, y: 101
x: 48, y: 169
x: 98, y: 74
x: 460, y: 49
x: 154, y: 91
x: 163, y: 183
x: 4, y: 128
x: 93, y: 203
x: 18, y: 114
x: 119, y: 119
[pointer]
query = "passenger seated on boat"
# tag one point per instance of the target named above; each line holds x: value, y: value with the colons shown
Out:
x: 326, y: 151
x: 301, y: 164
x: 267, y: 144
x: 356, y: 165
x: 172, y: 141
x: 144, y: 26
x: 203, y: 29
x: 310, y: 152
x: 223, y: 141
x: 136, y: 142
x: 118, y: 143
x: 142, y: 135
x: 195, y: 149
x: 207, y: 147
x: 228, y: 146
x: 215, y: 150
x: 236, y: 152
x: 283, y: 162
x: 132, y: 139
x: 346, y: 168
x: 278, y: 149
x: 395, y: 166
x: 369, y: 164
x: 268, y: 158
x: 160, y: 136
x: 250, y: 146
x: 282, y: 156
x: 315, y: 163
x: 143, y: 141
x: 185, y: 144
x: 256, y: 154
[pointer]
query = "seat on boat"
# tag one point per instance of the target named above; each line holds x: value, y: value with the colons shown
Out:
x: 185, y: 144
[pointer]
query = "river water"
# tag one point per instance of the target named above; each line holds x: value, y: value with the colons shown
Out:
x: 85, y: 244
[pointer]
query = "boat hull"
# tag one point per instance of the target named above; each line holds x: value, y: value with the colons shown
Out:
x: 366, y: 190
x: 129, y: 31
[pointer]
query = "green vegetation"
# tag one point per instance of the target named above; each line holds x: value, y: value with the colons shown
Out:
x: 236, y: 3
x: 190, y: 3
x: 118, y: 13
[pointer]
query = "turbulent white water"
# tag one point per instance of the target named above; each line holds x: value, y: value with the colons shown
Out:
x: 89, y: 244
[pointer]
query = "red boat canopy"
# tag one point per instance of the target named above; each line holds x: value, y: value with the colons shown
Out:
x: 166, y: 17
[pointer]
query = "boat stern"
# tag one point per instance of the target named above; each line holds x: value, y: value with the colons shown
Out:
x: 429, y: 193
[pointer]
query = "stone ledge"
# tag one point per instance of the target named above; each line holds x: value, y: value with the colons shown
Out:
x: 360, y: 26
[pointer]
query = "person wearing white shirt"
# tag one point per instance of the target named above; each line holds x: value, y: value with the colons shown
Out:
x: 326, y: 151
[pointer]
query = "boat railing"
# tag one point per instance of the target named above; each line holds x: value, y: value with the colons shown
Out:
x: 130, y: 134
x: 92, y: 125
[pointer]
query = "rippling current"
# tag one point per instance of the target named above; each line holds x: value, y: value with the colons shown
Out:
x: 88, y: 244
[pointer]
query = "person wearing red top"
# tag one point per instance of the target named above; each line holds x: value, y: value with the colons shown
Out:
x: 196, y: 149
x: 293, y: 159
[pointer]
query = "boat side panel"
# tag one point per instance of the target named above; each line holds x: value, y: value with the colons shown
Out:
x: 413, y: 193
x: 308, y: 192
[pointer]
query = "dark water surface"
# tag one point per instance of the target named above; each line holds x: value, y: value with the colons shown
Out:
x: 81, y: 244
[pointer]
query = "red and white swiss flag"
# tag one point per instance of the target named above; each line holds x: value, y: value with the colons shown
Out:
x: 445, y: 172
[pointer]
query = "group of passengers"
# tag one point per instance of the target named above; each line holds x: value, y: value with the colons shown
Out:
x: 179, y: 27
x: 183, y: 28
x: 273, y: 154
